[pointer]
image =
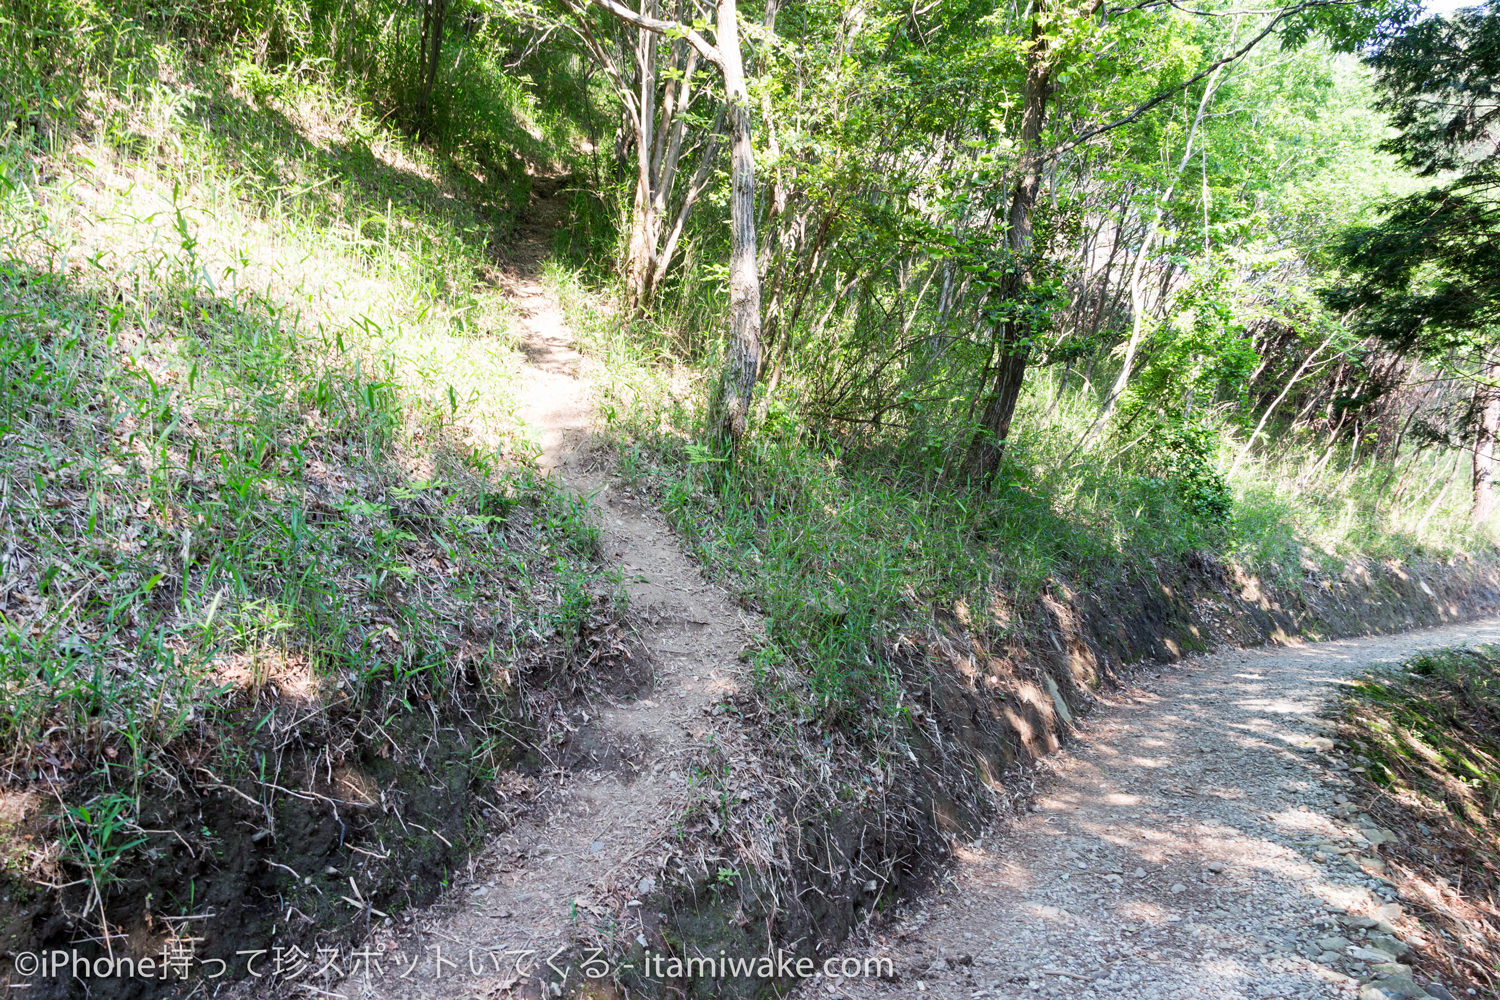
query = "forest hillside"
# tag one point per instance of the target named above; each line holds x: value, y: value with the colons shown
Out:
x: 607, y: 479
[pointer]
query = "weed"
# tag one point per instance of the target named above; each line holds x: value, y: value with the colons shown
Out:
x: 257, y: 440
x: 847, y: 541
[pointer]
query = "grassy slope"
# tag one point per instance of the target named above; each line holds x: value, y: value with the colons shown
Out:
x: 1426, y: 739
x: 260, y: 508
x: 844, y: 547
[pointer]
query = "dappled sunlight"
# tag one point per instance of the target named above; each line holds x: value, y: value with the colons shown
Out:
x: 1213, y: 864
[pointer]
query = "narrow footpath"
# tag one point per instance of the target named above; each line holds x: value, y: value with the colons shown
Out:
x: 599, y: 835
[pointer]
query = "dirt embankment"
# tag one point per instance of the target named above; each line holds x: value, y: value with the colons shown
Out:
x: 813, y: 837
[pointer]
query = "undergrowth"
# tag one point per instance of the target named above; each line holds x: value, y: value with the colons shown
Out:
x: 844, y: 540
x: 1425, y: 737
x: 264, y: 500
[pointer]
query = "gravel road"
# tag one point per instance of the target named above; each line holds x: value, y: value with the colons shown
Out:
x: 1197, y: 843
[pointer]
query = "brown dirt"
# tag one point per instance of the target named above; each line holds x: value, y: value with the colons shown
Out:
x: 681, y: 813
x: 1197, y: 844
x: 800, y: 840
x: 573, y: 871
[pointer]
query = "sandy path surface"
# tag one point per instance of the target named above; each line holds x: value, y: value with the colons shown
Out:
x: 599, y: 835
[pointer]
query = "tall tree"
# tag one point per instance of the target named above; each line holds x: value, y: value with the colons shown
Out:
x: 1016, y: 328
x: 1426, y: 278
x: 730, y: 404
x: 434, y: 15
x: 1058, y: 30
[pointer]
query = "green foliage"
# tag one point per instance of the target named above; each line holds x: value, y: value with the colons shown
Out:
x: 1426, y: 278
x: 256, y: 427
x: 1200, y: 354
x: 1183, y: 460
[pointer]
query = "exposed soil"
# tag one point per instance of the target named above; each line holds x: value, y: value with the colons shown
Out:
x: 574, y: 870
x: 664, y: 808
x: 1196, y: 844
x: 683, y: 832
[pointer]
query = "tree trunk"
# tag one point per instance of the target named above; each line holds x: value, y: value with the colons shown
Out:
x: 1486, y: 444
x: 645, y: 231
x: 1014, y: 340
x: 433, y: 15
x: 731, y: 405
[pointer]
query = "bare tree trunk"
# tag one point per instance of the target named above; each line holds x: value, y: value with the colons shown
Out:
x: 434, y: 12
x: 1486, y: 444
x: 1014, y: 344
x: 731, y: 404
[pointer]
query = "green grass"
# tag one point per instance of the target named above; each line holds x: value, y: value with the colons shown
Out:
x: 258, y: 449
x: 1424, y: 736
x: 1430, y: 730
x: 848, y: 541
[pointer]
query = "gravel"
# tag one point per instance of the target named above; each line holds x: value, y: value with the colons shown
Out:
x: 1250, y: 870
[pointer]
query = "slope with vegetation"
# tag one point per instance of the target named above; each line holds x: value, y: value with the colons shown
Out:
x: 281, y: 599
x: 1425, y: 739
x: 1039, y: 340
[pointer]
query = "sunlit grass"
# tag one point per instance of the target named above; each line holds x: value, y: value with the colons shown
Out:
x: 258, y: 447
x: 847, y: 539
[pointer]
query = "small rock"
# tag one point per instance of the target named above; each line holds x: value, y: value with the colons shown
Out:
x: 1387, y: 942
x: 1178, y: 887
x: 1439, y: 991
x: 1370, y: 955
x: 646, y: 886
x: 1216, y: 866
x: 1332, y: 943
x: 1394, y: 988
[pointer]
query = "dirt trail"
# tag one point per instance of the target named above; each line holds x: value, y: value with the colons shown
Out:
x: 1197, y: 845
x: 1193, y: 846
x: 595, y: 840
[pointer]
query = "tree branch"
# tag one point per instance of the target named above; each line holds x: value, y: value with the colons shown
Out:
x: 656, y: 24
x: 1171, y: 92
